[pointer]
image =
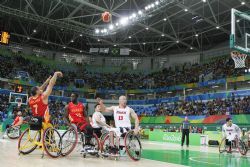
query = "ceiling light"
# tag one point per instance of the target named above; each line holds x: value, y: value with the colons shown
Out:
x: 34, y: 30
x: 64, y: 47
x: 28, y: 38
x: 243, y: 3
x: 105, y: 30
x: 96, y: 31
x: 117, y: 24
x: 157, y: 3
x: 152, y: 5
x: 80, y: 51
x: 144, y: 43
x: 111, y: 26
x: 47, y: 42
x: 165, y: 19
x: 177, y: 41
x: 238, y: 21
x: 196, y: 35
x: 162, y: 35
x: 146, y: 28
x: 129, y: 37
x: 191, y: 48
x: 140, y: 12
x: 133, y: 15
x: 98, y: 40
x: 124, y: 21
x: 146, y: 7
x: 159, y: 49
x: 217, y: 27
x: 185, y: 10
x: 72, y: 40
x: 204, y: 0
x: 80, y: 35
x: 114, y: 45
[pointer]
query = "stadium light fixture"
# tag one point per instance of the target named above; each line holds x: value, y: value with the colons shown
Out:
x: 140, y: 12
x: 80, y: 51
x: 156, y: 2
x: 217, y: 27
x: 105, y: 30
x: 98, y: 40
x: 72, y: 41
x: 28, y: 38
x: 243, y: 3
x: 144, y: 43
x: 186, y: 10
x: 80, y: 35
x: 34, y: 30
x: 196, y: 35
x: 124, y: 21
x: 47, y: 42
x: 111, y: 27
x: 162, y: 35
x: 129, y: 37
x: 117, y: 24
x: 159, y: 49
x: 204, y: 1
x: 146, y: 28
x: 133, y: 15
x: 96, y: 31
x: 64, y: 47
x: 165, y: 19
x: 191, y: 48
x: 115, y: 45
x: 177, y: 41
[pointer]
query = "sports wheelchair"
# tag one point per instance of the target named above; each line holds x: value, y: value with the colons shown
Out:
x: 236, y: 145
x: 40, y: 135
x: 129, y: 145
x: 74, y: 137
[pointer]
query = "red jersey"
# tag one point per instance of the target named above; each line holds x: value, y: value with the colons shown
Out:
x: 76, y: 113
x: 37, y: 106
x: 16, y: 120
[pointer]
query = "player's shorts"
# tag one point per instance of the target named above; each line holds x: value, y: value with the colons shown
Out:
x: 81, y: 125
x: 120, y: 132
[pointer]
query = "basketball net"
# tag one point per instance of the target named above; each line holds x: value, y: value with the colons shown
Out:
x: 19, y: 104
x: 239, y: 59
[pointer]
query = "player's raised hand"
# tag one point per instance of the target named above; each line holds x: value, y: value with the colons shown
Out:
x: 59, y: 74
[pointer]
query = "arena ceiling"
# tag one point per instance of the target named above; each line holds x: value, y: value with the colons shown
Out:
x: 170, y: 26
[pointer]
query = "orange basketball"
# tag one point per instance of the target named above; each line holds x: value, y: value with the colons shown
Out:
x: 106, y: 16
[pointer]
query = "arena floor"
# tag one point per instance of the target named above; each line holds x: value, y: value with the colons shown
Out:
x: 154, y: 154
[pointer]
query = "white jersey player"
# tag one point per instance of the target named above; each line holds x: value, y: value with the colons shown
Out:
x: 122, y: 116
x: 230, y: 131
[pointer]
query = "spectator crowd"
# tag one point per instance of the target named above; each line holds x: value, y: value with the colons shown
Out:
x: 186, y: 73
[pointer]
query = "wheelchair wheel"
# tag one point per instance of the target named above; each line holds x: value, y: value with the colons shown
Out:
x: 106, y: 145
x: 52, y: 142
x: 26, y: 142
x: 242, y: 147
x: 69, y: 141
x: 223, y: 146
x: 133, y: 146
x: 13, y: 133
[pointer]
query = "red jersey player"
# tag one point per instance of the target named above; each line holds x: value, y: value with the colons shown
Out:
x: 74, y: 114
x: 38, y: 102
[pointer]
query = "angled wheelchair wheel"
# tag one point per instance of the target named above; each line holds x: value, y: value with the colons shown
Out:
x: 133, y: 146
x: 94, y: 143
x: 52, y: 142
x: 27, y: 141
x: 242, y: 147
x: 223, y: 146
x: 69, y: 141
x: 13, y: 133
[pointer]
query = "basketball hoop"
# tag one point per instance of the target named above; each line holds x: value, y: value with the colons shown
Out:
x: 239, y: 59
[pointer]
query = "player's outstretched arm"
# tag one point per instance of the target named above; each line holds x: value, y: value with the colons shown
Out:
x: 52, y: 82
x: 135, y: 117
x: 66, y: 115
x: 98, y: 120
x: 43, y: 86
x: 103, y: 107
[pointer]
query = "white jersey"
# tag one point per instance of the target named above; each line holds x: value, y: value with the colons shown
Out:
x: 230, y: 132
x: 122, y: 117
x: 102, y: 118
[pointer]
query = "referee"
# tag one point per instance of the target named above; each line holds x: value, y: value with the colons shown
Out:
x: 185, y: 127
